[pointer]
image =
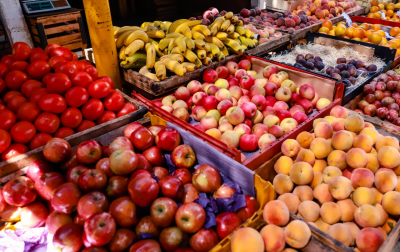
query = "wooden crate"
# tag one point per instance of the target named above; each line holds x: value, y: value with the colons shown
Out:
x: 61, y: 27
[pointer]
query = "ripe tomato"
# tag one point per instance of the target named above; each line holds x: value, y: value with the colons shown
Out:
x: 80, y: 65
x: 7, y: 119
x: 15, y: 79
x: 37, y: 94
x: 68, y: 68
x: 7, y: 60
x: 5, y: 140
x: 38, y: 56
x: 2, y: 85
x: 46, y: 78
x: 38, y: 69
x: 85, y: 124
x: 106, y: 116
x: 64, y: 132
x: 47, y: 123
x: 76, y: 96
x: 53, y: 61
x: 22, y: 132
x: 14, y: 150
x: 19, y: 66
x: 53, y: 103
x: 92, y: 71
x: 3, y: 70
x: 37, y: 50
x: 81, y: 79
x: 21, y: 51
x: 126, y: 109
x: 39, y: 140
x: 2, y: 106
x: 58, y: 83
x: 114, y: 101
x: 99, y: 89
x: 92, y: 109
x: 15, y: 103
x: 63, y: 52
x: 108, y: 79
x: 28, y: 112
x: 11, y: 94
x: 71, y: 117
x: 50, y: 47
x: 29, y: 86
x: 74, y: 57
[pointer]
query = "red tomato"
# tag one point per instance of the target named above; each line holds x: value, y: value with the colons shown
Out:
x: 2, y: 85
x: 14, y: 150
x: 38, y: 56
x: 3, y: 70
x: 114, y: 101
x: 53, y: 61
x: 85, y: 124
x: 108, y: 79
x: 64, y: 132
x: 15, y: 79
x: 29, y: 86
x: 99, y: 89
x: 81, y: 64
x: 37, y: 94
x: 1, y: 101
x: 46, y: 78
x: 28, y: 111
x: 50, y: 47
x: 7, y: 119
x: 126, y: 109
x: 47, y: 123
x: 81, y: 79
x: 106, y: 116
x: 76, y: 96
x: 5, y: 140
x: 68, y: 68
x: 71, y: 117
x: 2, y: 106
x: 92, y: 109
x: 38, y: 69
x: 39, y: 140
x: 58, y: 83
x: 15, y: 103
x: 63, y: 52
x: 21, y: 51
x: 92, y: 71
x: 7, y: 60
x: 11, y: 94
x: 22, y: 132
x: 37, y: 50
x: 74, y: 56
x: 53, y: 103
x: 19, y: 66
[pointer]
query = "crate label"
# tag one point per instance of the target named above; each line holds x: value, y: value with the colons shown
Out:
x: 383, y: 15
x: 347, y: 18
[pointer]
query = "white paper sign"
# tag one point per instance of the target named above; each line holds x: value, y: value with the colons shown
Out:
x: 347, y: 18
x: 383, y: 15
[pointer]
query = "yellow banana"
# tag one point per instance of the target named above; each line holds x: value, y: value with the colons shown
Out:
x: 176, y: 57
x: 121, y: 54
x: 234, y: 45
x: 225, y: 51
x: 244, y: 41
x: 174, y: 66
x: 137, y: 60
x: 221, y: 35
x: 164, y: 43
x: 180, y: 42
x: 248, y: 33
x: 189, y: 24
x: 255, y: 41
x: 186, y: 32
x: 190, y: 56
x: 136, y: 35
x: 215, y: 41
x: 202, y: 29
x: 190, y: 43
x: 171, y: 45
x: 151, y: 55
x: 175, y: 50
x: 207, y: 61
x: 250, y: 42
x: 145, y: 24
x: 221, y: 57
x: 243, y: 47
x: 231, y: 29
x: 167, y: 25
x: 225, y: 25
x: 156, y: 34
x: 149, y: 28
x: 144, y: 71
x: 200, y: 44
x: 207, y: 47
x: 201, y: 53
x: 214, y: 49
x: 161, y: 71
x: 234, y: 19
x: 157, y: 25
x: 155, y: 44
x: 237, y: 40
x: 133, y: 47
x: 122, y: 30
x: 240, y: 30
x: 120, y: 40
x: 229, y: 15
x: 189, y: 66
x: 210, y: 55
x: 162, y: 25
x: 234, y: 35
x: 175, y: 24
x: 239, y: 23
x: 198, y: 36
x: 214, y: 27
x: 174, y: 35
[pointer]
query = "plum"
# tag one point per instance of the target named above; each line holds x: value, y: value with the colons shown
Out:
x: 329, y: 69
x: 309, y: 56
x: 345, y: 74
x: 341, y: 60
x: 371, y: 68
x: 319, y: 65
x: 342, y: 67
x: 360, y: 64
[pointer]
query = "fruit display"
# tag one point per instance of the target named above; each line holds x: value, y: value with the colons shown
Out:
x: 388, y: 9
x: 49, y: 93
x: 244, y: 109
x: 145, y: 190
x: 341, y: 179
x: 265, y: 34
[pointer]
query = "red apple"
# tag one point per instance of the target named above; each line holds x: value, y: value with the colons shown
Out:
x: 210, y: 102
x: 37, y: 169
x: 72, y: 161
x: 224, y: 191
x: 184, y: 175
x: 65, y: 198
x: 172, y: 238
x: 307, y: 105
x: 34, y: 215
x: 92, y: 203
x: 249, y: 109
x: 143, y: 190
x: 270, y: 88
x: 79, y: 220
x: 232, y: 67
x: 269, y: 70
x: 191, y: 193
x: 259, y: 101
x: 210, y: 76
x: 227, y: 223
x: 92, y: 179
x: 147, y: 226
x: 307, y: 91
x: 172, y: 187
x: 183, y: 156
x: 240, y: 73
x: 233, y: 82
x: 182, y: 93
x: 104, y: 165
x: 295, y: 98
x: 142, y: 138
x: 248, y: 142
x: 167, y: 139
x: 190, y: 217
x: 117, y: 187
x: 204, y: 240
x: 123, y: 161
x: 194, y: 86
x: 146, y: 246
x: 246, y: 82
x: 19, y: 191
x: 143, y: 164
x: 140, y: 173
x: 251, y: 207
x: 123, y: 210
x: 57, y: 150
x: 68, y: 238
x: 48, y: 183
x: 121, y: 240
x: 74, y: 173
x: 160, y: 172
x: 198, y: 98
x: 162, y: 211
x: 222, y: 72
x: 100, y: 229
x: 280, y: 105
x: 206, y: 178
x: 283, y: 114
x: 120, y: 143
x: 3, y: 203
x: 155, y: 129
x: 244, y: 64
x: 130, y: 128
x: 223, y: 106
x: 88, y: 152
x: 55, y: 220
x: 300, y: 117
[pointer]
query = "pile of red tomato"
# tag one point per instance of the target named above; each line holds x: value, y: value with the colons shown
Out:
x: 49, y: 93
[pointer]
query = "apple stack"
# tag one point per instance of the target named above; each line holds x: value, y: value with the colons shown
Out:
x: 242, y: 108
x: 108, y: 197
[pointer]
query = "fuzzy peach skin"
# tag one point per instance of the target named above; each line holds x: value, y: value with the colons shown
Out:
x: 347, y: 208
x: 304, y: 139
x: 330, y: 212
x: 274, y: 238
x: 369, y: 239
x: 341, y: 232
x: 297, y: 234
x: 337, y: 158
x: 340, y: 187
x: 377, y: 195
x: 354, y: 229
x: 373, y: 163
x: 317, y: 180
x: 290, y: 148
x: 322, y: 193
x: 342, y: 140
x: 247, y: 239
x: 370, y: 132
x: 309, y: 211
x: 283, y: 164
x: 320, y: 147
x: 339, y: 112
x: 385, y: 180
x: 330, y: 119
x: 282, y: 183
x: 319, y: 120
x: 291, y: 201
x: 322, y: 225
x: 354, y: 123
x: 362, y: 177
x: 301, y: 173
x: 363, y: 195
x: 391, y: 203
x: 384, y: 215
x: 303, y: 192
x: 319, y: 165
x: 337, y: 124
x: 323, y: 130
x: 356, y: 158
x: 389, y: 157
x: 331, y: 172
x: 386, y: 141
x: 364, y: 142
x: 276, y: 212
x: 306, y: 155
x: 367, y: 216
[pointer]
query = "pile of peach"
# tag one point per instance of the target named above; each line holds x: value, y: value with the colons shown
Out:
x: 387, y: 8
x: 342, y: 179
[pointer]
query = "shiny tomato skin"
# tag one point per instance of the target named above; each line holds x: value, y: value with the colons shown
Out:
x: 85, y: 124
x: 19, y: 66
x: 126, y: 109
x: 81, y: 79
x: 47, y: 123
x: 92, y: 109
x: 99, y: 89
x: 50, y: 47
x: 108, y: 79
x: 5, y: 140
x: 3, y: 71
x: 68, y: 68
x: 2, y: 106
x: 2, y: 85
x: 38, y: 56
x: 71, y: 117
x: 106, y: 116
x: 38, y: 69
x: 15, y: 103
x: 11, y: 94
x: 7, y: 60
x: 76, y: 96
x: 29, y: 86
x: 39, y: 140
x: 15, y: 79
x: 7, y: 119
x: 23, y: 132
x: 74, y: 56
x: 114, y: 101
x: 92, y: 71
x: 37, y: 94
x: 52, y: 103
x: 46, y: 77
x: 21, y: 51
x: 28, y: 112
x: 63, y: 52
x: 64, y: 132
x: 58, y: 83
x: 81, y: 64
x: 53, y: 61
x: 14, y: 150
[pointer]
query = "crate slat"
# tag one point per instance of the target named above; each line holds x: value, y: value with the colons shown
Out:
x: 62, y: 28
x: 64, y: 39
x: 75, y: 45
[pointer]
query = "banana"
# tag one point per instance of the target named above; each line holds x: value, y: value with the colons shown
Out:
x: 234, y: 45
x: 134, y: 47
x: 207, y: 61
x: 149, y: 28
x: 214, y: 49
x: 122, y: 55
x: 221, y: 57
x: 156, y: 34
x: 201, y: 54
x: 207, y: 47
x: 167, y: 25
x: 190, y: 43
x: 189, y: 66
x: 115, y: 28
x: 229, y: 15
x: 243, y: 47
x: 151, y: 55
x: 239, y: 23
x: 180, y: 42
x: 255, y: 41
x: 145, y: 24
x: 174, y: 66
x: 250, y: 42
x: 144, y: 71
x: 234, y: 19
x: 136, y: 35
x: 202, y: 29
x: 157, y: 25
x: 210, y: 55
x: 225, y: 51
x: 200, y: 44
x: 231, y: 29
x: 214, y: 27
x: 237, y: 40
x: 215, y: 41
x: 121, y: 39
x: 198, y: 36
x: 155, y: 44
x: 175, y: 50
x: 189, y: 24
x: 137, y: 60
x: 187, y: 32
x: 225, y: 25
x: 240, y: 30
x: 190, y: 56
x: 221, y: 35
x: 161, y: 71
x: 175, y: 25
x: 248, y: 33
x: 164, y: 43
x: 244, y: 41
x: 176, y: 57
x: 162, y: 25
x: 174, y: 35
x: 234, y: 35
x: 122, y: 30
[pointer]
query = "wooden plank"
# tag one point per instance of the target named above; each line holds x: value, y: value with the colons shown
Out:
x: 34, y: 30
x: 36, y: 39
x: 74, y: 46
x: 62, y: 28
x: 269, y: 45
x: 59, y: 19
x: 392, y: 239
x: 64, y: 39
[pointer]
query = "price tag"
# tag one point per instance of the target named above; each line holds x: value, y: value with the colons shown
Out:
x: 388, y: 35
x: 347, y: 18
x: 383, y: 15
x: 398, y: 13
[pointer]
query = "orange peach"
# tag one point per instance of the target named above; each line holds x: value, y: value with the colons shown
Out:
x: 331, y: 172
x: 283, y: 164
x: 385, y: 180
x: 297, y: 234
x: 356, y: 158
x: 384, y: 215
x: 214, y: 133
x: 341, y: 232
x: 367, y: 216
x: 397, y: 170
x: 369, y: 125
x: 282, y: 183
x: 354, y: 229
x: 362, y: 177
x: 347, y: 208
x: 391, y: 202
x: 340, y: 187
x: 319, y: 165
x: 322, y: 194
x: 247, y: 239
x: 389, y: 225
x: 364, y: 142
x: 389, y: 157
x: 373, y: 163
x: 291, y: 201
x: 347, y: 172
x: 301, y: 173
x: 330, y: 119
x: 369, y: 239
x: 337, y: 158
x: 305, y: 155
x: 363, y: 195
x: 276, y: 212
x: 370, y: 132
x: 317, y: 121
x: 303, y: 192
x: 309, y: 211
x: 304, y: 139
x: 320, y: 147
x: 330, y: 212
x: 354, y: 123
x: 383, y: 232
x: 377, y: 195
x: 290, y: 148
x: 386, y: 141
x: 342, y: 140
x: 317, y: 180
x: 274, y: 238
x: 323, y: 130
x: 338, y: 124
x: 289, y: 250
x: 323, y: 226
x: 339, y: 112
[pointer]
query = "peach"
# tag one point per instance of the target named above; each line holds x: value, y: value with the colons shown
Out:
x: 290, y: 147
x: 320, y: 147
x: 364, y: 142
x: 283, y: 164
x: 389, y: 225
x: 337, y: 158
x: 291, y: 201
x: 362, y: 177
x: 347, y: 208
x: 384, y: 215
x: 301, y: 173
x: 304, y: 138
x: 354, y: 229
x: 383, y: 232
x: 317, y: 121
x: 338, y: 124
x: 305, y: 155
x: 322, y: 194
x: 342, y: 140
x: 319, y: 165
x: 363, y: 195
x: 372, y: 164
x: 369, y: 239
x: 397, y: 170
x: 289, y: 250
x: 391, y: 202
x: 330, y: 119
x: 373, y: 152
x: 367, y: 216
x: 303, y: 192
x: 309, y: 211
x: 347, y: 172
x: 322, y: 225
x: 274, y: 238
x: 247, y: 239
x: 389, y: 157
x: 397, y: 188
x: 356, y: 158
x: 282, y: 184
x: 214, y: 133
x: 324, y: 130
x: 276, y: 212
x: 330, y: 212
x: 331, y: 172
x: 341, y: 232
x: 370, y: 132
x: 317, y: 180
x: 354, y: 123
x: 339, y: 112
x: 377, y: 195
x: 386, y: 141
x: 340, y: 187
x: 369, y: 125
x: 385, y: 180
x: 297, y: 234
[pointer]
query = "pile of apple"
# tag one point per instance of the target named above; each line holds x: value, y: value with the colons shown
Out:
x: 266, y: 34
x: 234, y: 107
x: 322, y: 9
x: 382, y: 98
x: 116, y: 196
